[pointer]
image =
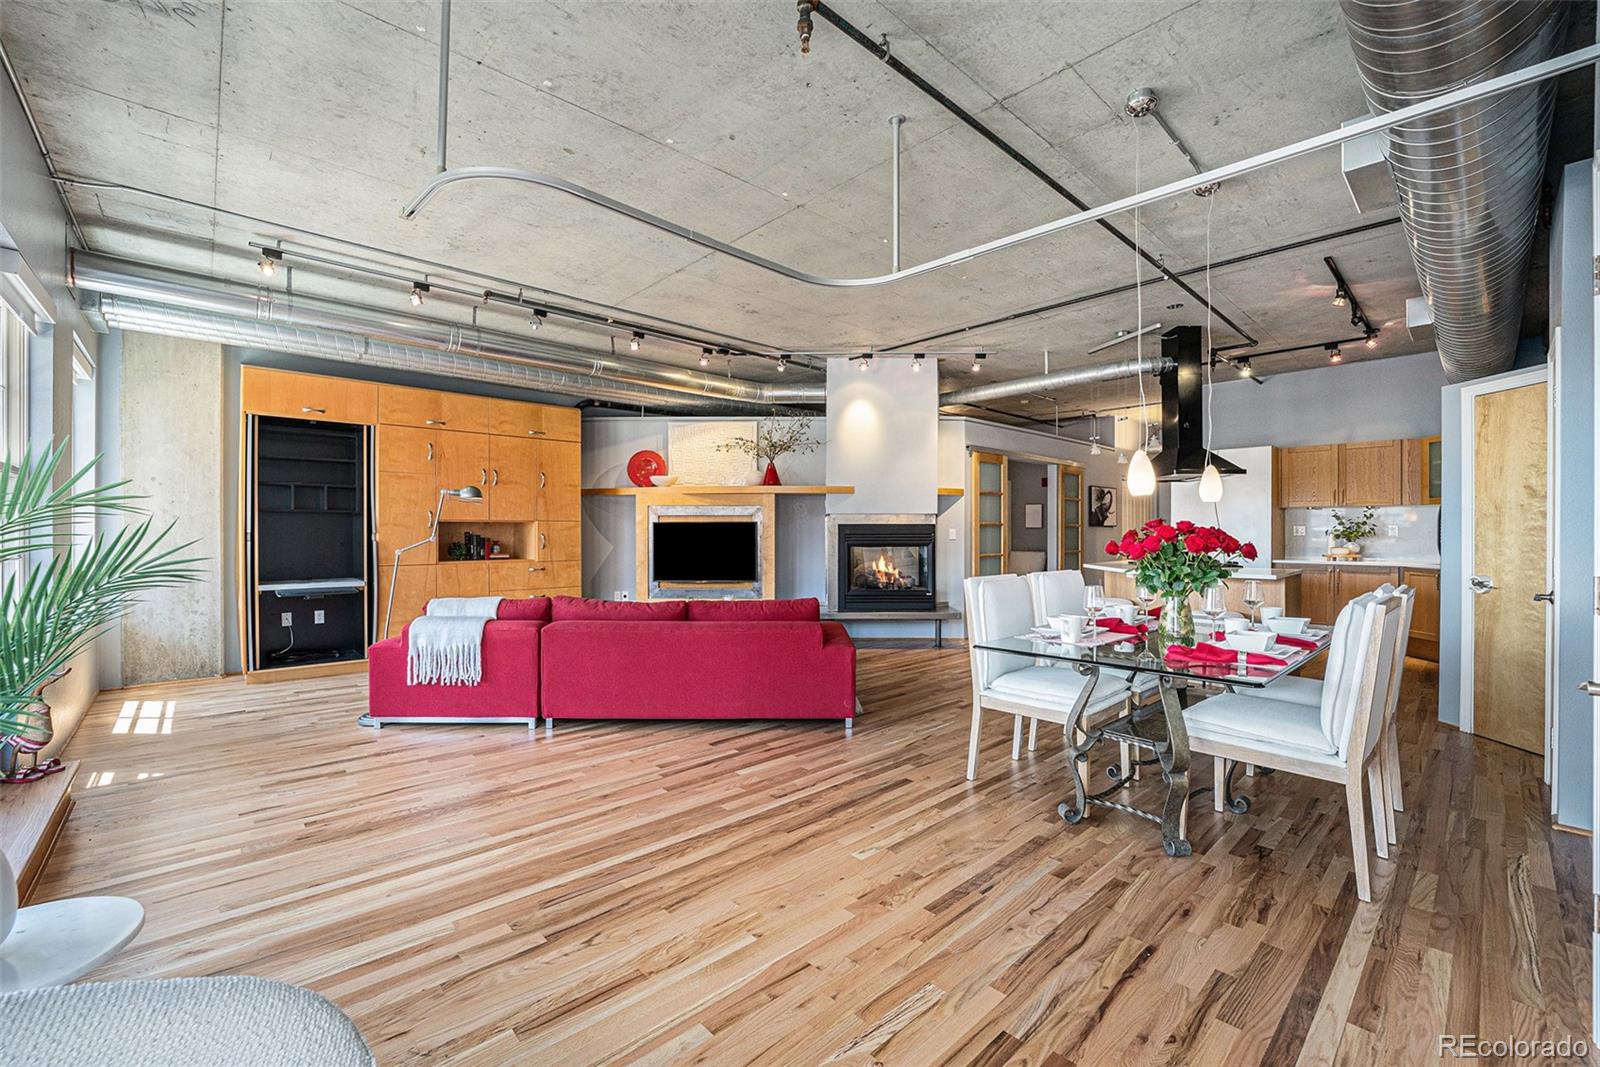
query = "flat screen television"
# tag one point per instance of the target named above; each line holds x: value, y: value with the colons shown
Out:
x: 710, y: 552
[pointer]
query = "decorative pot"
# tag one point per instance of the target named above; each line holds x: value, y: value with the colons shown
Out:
x: 1177, y: 620
x: 771, y: 477
x: 19, y: 752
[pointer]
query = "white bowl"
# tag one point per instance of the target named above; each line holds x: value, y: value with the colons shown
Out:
x: 663, y: 479
x: 1288, y: 624
x: 1248, y: 641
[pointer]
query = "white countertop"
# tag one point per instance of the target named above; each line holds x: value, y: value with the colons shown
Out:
x: 1260, y: 574
x: 1411, y: 564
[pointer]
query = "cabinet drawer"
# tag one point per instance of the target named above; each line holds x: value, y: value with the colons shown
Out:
x: 557, y: 541
x: 516, y: 418
x: 526, y: 577
x: 407, y: 450
x: 401, y: 406
x: 461, y: 578
x: 307, y: 396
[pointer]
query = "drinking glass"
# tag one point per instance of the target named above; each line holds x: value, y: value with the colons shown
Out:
x: 1215, y: 605
x: 1094, y: 600
x: 1253, y: 598
x: 1147, y: 597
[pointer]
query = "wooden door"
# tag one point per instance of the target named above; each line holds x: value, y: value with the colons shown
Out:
x: 513, y: 478
x: 464, y: 461
x: 1371, y: 473
x: 990, y: 538
x: 559, y: 493
x: 405, y: 515
x: 407, y: 450
x: 412, y: 591
x: 402, y: 406
x: 1069, y: 541
x: 1508, y: 565
x: 1309, y: 477
x: 307, y: 396
x: 1424, y: 639
x: 1357, y: 581
x: 1316, y: 593
x: 557, y: 541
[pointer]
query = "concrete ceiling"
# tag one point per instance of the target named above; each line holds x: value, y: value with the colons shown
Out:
x: 320, y: 116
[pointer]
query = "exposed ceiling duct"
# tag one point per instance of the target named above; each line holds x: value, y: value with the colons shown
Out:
x: 1059, y: 379
x: 178, y: 304
x: 1468, y: 178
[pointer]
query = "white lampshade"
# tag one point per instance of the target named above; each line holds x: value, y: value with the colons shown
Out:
x: 1211, y: 484
x: 1141, y: 474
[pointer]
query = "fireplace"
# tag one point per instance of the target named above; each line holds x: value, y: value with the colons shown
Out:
x: 884, y: 567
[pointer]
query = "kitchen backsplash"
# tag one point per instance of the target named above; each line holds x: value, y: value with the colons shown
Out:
x: 1416, y: 533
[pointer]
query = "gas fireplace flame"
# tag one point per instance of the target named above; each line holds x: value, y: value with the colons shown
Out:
x: 886, y: 573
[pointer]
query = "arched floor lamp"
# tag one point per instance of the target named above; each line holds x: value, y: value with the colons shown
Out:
x: 466, y: 492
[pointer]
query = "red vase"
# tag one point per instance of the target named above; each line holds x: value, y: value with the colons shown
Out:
x: 771, y: 477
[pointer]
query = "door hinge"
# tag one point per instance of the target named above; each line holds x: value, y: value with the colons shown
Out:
x: 1597, y: 595
x: 1597, y: 275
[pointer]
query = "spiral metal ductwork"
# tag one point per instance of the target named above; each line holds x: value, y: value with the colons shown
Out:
x: 1468, y: 178
x: 184, y: 305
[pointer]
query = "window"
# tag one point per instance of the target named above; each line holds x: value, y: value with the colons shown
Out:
x: 13, y: 386
x: 84, y: 442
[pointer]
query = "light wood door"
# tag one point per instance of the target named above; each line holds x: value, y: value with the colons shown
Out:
x: 405, y: 515
x: 1069, y: 538
x: 989, y: 535
x: 432, y: 409
x: 559, y: 493
x: 307, y: 396
x: 1309, y: 476
x: 513, y: 478
x: 407, y: 450
x: 464, y: 461
x: 1316, y: 594
x: 1508, y: 562
x: 1424, y: 638
x: 412, y: 591
x: 557, y: 541
x: 516, y: 418
x: 1371, y: 473
x: 461, y: 578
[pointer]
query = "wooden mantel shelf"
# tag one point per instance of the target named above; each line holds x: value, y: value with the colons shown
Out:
x: 719, y: 490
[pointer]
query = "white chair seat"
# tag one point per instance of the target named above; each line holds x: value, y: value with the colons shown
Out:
x: 1292, y: 688
x: 1275, y: 725
x: 1056, y: 688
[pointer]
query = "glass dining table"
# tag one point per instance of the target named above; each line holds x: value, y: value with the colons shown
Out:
x: 1158, y: 728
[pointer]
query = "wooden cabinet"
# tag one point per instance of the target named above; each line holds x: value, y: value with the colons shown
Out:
x: 1325, y: 590
x: 464, y: 461
x: 1424, y: 641
x: 307, y: 396
x: 404, y: 450
x: 1370, y: 474
x: 1316, y: 594
x: 513, y: 479
x: 413, y: 589
x: 400, y: 406
x: 516, y: 418
x: 1308, y: 477
x: 559, y: 493
x: 405, y: 514
x: 523, y: 577
x: 1432, y: 470
x: 461, y: 578
x: 557, y: 541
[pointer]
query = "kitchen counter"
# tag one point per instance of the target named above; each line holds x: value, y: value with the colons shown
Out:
x: 1394, y: 564
x: 1262, y: 574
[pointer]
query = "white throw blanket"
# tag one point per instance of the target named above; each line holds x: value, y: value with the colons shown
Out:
x: 446, y: 644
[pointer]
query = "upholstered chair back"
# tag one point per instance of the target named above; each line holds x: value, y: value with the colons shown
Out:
x: 998, y: 605
x: 1337, y: 691
x: 1408, y: 602
x: 1056, y: 593
x: 1387, y: 678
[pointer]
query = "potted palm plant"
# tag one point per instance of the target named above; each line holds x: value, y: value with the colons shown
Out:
x: 68, y: 590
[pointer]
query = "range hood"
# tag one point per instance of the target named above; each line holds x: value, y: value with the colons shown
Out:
x: 1183, y: 419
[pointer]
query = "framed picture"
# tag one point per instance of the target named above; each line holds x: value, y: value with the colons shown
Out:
x: 1033, y: 516
x: 1102, y: 505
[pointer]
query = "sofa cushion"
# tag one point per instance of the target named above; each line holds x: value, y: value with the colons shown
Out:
x: 525, y: 609
x: 582, y: 609
x: 804, y: 609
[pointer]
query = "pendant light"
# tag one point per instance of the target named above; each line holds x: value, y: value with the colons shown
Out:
x: 1211, y: 478
x: 1141, y: 472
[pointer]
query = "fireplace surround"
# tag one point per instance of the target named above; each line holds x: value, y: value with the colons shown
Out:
x: 884, y: 566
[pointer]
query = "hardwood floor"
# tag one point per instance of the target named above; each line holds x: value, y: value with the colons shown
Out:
x: 723, y: 893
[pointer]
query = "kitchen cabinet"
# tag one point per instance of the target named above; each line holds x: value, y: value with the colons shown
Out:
x: 1316, y: 593
x: 516, y: 418
x: 1334, y: 476
x: 1424, y: 640
x: 1308, y: 477
x: 307, y: 396
x: 1432, y: 470
x: 400, y: 406
x: 1325, y: 590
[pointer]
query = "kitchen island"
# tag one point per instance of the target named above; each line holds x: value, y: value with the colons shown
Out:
x: 1280, y: 586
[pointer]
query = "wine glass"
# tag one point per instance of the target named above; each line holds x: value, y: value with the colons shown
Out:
x: 1253, y: 599
x: 1147, y: 596
x: 1215, y: 605
x: 1094, y: 601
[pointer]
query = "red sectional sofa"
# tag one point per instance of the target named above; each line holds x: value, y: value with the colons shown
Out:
x: 572, y: 658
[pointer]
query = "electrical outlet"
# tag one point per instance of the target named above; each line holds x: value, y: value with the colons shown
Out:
x: 1299, y: 531
x: 319, y: 617
x: 286, y: 619
x: 1394, y: 531
x: 622, y: 594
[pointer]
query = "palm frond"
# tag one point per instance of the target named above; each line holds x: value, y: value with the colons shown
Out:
x: 37, y: 515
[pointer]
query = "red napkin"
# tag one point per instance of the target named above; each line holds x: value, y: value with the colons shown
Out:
x: 1117, y: 626
x: 1203, y: 652
x: 1296, y: 642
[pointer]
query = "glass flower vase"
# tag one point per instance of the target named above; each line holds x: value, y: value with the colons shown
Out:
x: 1177, y: 620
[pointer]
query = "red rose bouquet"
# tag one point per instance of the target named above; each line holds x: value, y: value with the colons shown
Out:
x: 1173, y: 560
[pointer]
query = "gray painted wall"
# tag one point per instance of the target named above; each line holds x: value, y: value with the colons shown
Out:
x: 1030, y: 484
x: 1360, y: 401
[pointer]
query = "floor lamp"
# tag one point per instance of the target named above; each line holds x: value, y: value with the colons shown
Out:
x: 466, y: 492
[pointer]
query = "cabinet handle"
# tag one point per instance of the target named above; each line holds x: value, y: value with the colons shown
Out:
x: 535, y: 568
x: 313, y: 411
x: 435, y: 422
x: 430, y: 518
x: 483, y: 476
x: 430, y: 451
x: 536, y: 433
x: 544, y: 542
x: 541, y: 479
x: 494, y: 475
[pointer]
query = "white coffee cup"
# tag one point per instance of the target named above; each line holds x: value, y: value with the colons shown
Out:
x: 1071, y: 627
x: 1268, y: 614
x: 1125, y: 612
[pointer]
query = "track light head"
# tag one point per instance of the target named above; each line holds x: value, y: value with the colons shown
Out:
x: 705, y: 357
x: 1334, y: 355
x: 1245, y: 370
x: 268, y: 263
x: 864, y: 362
x: 783, y: 363
x: 977, y: 361
x: 916, y: 361
x: 536, y: 320
x: 416, y: 293
x: 1372, y: 338
x: 1340, y: 297
x: 635, y: 341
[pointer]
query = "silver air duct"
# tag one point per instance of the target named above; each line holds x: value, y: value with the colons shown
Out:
x: 1060, y: 379
x: 151, y: 299
x: 1468, y: 178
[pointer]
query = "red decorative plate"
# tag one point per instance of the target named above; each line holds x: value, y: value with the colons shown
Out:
x: 643, y: 464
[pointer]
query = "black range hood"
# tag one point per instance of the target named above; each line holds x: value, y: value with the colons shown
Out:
x: 1183, y: 420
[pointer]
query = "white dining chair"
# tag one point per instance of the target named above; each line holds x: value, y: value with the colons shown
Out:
x: 1334, y: 741
x: 1309, y: 691
x: 1061, y: 593
x: 1002, y: 606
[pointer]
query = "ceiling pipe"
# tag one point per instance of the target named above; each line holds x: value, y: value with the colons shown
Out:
x: 1467, y: 94
x: 895, y: 122
x: 105, y: 275
x: 1468, y: 181
x: 1060, y: 379
x: 444, y: 81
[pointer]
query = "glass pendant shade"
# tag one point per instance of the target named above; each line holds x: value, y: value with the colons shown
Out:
x: 1141, y: 474
x: 1211, y: 484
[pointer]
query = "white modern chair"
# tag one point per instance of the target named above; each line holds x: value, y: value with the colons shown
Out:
x: 1309, y: 691
x: 1002, y: 606
x: 1335, y: 741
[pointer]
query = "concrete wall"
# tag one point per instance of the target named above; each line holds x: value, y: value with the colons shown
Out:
x: 171, y: 433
